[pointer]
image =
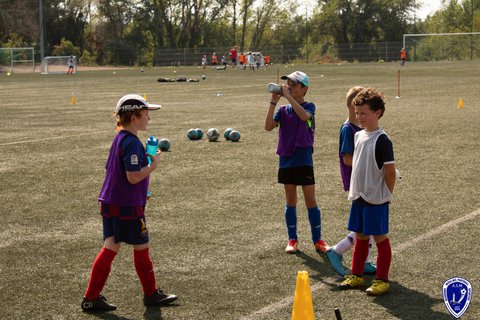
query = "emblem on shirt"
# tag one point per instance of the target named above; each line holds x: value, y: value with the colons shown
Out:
x: 134, y: 159
x: 457, y: 294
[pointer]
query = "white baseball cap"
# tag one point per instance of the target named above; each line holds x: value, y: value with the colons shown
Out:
x: 298, y: 76
x: 132, y: 102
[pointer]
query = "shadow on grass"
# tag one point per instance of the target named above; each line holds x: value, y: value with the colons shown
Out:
x: 401, y: 302
x: 108, y: 316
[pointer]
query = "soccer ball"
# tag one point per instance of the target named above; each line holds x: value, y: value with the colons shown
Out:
x: 164, y: 144
x: 234, y: 136
x: 199, y: 134
x: 204, y: 77
x: 192, y: 134
x: 213, y: 134
x: 226, y: 133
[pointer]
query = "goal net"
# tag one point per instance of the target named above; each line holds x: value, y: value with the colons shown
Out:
x: 442, y: 46
x: 57, y: 65
x: 17, y: 59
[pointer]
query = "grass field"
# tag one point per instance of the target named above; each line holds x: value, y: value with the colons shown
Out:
x: 216, y: 216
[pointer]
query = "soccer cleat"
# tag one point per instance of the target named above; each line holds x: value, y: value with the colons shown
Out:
x: 321, y: 246
x: 352, y: 281
x: 292, y: 246
x: 336, y: 261
x: 378, y: 287
x: 370, y: 268
x: 98, y: 305
x: 159, y: 298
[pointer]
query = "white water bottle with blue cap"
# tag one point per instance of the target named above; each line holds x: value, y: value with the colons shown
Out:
x: 152, y: 147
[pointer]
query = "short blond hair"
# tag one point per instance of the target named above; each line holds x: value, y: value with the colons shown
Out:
x: 352, y: 93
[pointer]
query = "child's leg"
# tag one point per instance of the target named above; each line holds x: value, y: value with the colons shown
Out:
x: 291, y: 210
x: 144, y: 268
x: 99, y: 274
x: 314, y: 215
x: 384, y: 257
x: 345, y: 244
x: 360, y: 253
x: 370, y: 246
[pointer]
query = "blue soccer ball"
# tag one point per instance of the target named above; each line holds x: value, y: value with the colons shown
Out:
x: 234, y: 136
x: 192, y: 134
x: 164, y: 144
x: 199, y: 134
x: 226, y: 133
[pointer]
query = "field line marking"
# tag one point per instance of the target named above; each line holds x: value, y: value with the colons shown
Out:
x: 51, y: 138
x: 397, y: 249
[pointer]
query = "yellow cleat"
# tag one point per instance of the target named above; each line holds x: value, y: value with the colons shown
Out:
x: 378, y: 287
x: 352, y: 281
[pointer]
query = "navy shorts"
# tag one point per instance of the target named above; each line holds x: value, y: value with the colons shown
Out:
x: 124, y: 224
x: 368, y: 219
x: 299, y: 176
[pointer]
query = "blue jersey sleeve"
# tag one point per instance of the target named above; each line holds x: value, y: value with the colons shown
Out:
x: 277, y: 115
x: 383, y: 151
x: 346, y: 140
x: 134, y: 155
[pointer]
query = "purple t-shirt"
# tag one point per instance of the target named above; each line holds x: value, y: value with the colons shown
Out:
x: 127, y: 153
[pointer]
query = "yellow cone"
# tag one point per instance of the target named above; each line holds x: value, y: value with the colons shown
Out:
x: 302, y: 303
x: 460, y: 104
x: 74, y: 99
x: 145, y: 96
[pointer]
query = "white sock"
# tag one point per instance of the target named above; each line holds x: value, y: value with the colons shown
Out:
x: 345, y: 244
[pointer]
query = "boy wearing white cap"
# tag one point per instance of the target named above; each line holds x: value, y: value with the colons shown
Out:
x: 296, y: 121
x: 123, y: 198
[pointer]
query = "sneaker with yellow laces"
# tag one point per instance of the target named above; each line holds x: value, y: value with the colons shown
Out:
x: 378, y: 287
x: 292, y: 246
x: 352, y: 281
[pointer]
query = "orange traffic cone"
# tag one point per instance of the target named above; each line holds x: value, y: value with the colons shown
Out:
x: 460, y: 104
x: 74, y: 99
x: 302, y: 303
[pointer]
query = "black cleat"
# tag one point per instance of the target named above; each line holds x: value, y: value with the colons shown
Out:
x: 159, y: 298
x: 98, y: 305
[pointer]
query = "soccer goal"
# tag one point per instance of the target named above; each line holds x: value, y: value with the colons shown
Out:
x: 17, y: 59
x: 442, y: 46
x: 57, y: 65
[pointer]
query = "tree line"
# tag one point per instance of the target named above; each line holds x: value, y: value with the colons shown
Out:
x: 128, y: 32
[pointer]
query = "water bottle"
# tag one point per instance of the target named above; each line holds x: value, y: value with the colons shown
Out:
x: 274, y: 88
x: 152, y: 147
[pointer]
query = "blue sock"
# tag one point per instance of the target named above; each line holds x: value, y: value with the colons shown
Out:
x: 315, y: 223
x: 291, y: 221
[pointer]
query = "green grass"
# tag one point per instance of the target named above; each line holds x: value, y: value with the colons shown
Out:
x: 216, y: 215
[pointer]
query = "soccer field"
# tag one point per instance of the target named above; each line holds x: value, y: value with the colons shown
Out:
x: 215, y: 219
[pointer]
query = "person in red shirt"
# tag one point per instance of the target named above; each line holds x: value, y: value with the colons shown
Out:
x: 233, y: 56
x: 403, y: 56
x: 266, y: 59
x: 214, y: 58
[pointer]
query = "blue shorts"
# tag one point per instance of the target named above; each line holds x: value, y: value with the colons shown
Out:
x: 124, y: 225
x: 368, y: 219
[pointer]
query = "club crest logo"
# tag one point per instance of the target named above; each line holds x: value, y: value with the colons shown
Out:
x: 134, y: 159
x: 457, y: 294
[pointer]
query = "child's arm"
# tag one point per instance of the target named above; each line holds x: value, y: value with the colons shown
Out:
x: 135, y: 177
x: 390, y: 176
x: 301, y: 113
x: 270, y: 124
x: 347, y: 159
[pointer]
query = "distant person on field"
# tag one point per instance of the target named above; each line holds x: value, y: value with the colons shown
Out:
x: 122, y: 203
x: 204, y: 61
x: 266, y: 59
x: 251, y: 61
x: 296, y: 122
x: 242, y: 60
x: 258, y: 61
x: 214, y: 59
x: 371, y: 187
x: 71, y: 65
x: 345, y: 154
x: 403, y: 57
x: 233, y: 56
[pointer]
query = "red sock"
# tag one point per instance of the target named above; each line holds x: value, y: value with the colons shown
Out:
x: 384, y: 259
x: 99, y: 274
x: 360, y: 253
x: 144, y: 267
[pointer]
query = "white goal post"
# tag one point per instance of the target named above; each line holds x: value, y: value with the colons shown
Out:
x: 57, y: 65
x: 460, y: 45
x: 17, y: 59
